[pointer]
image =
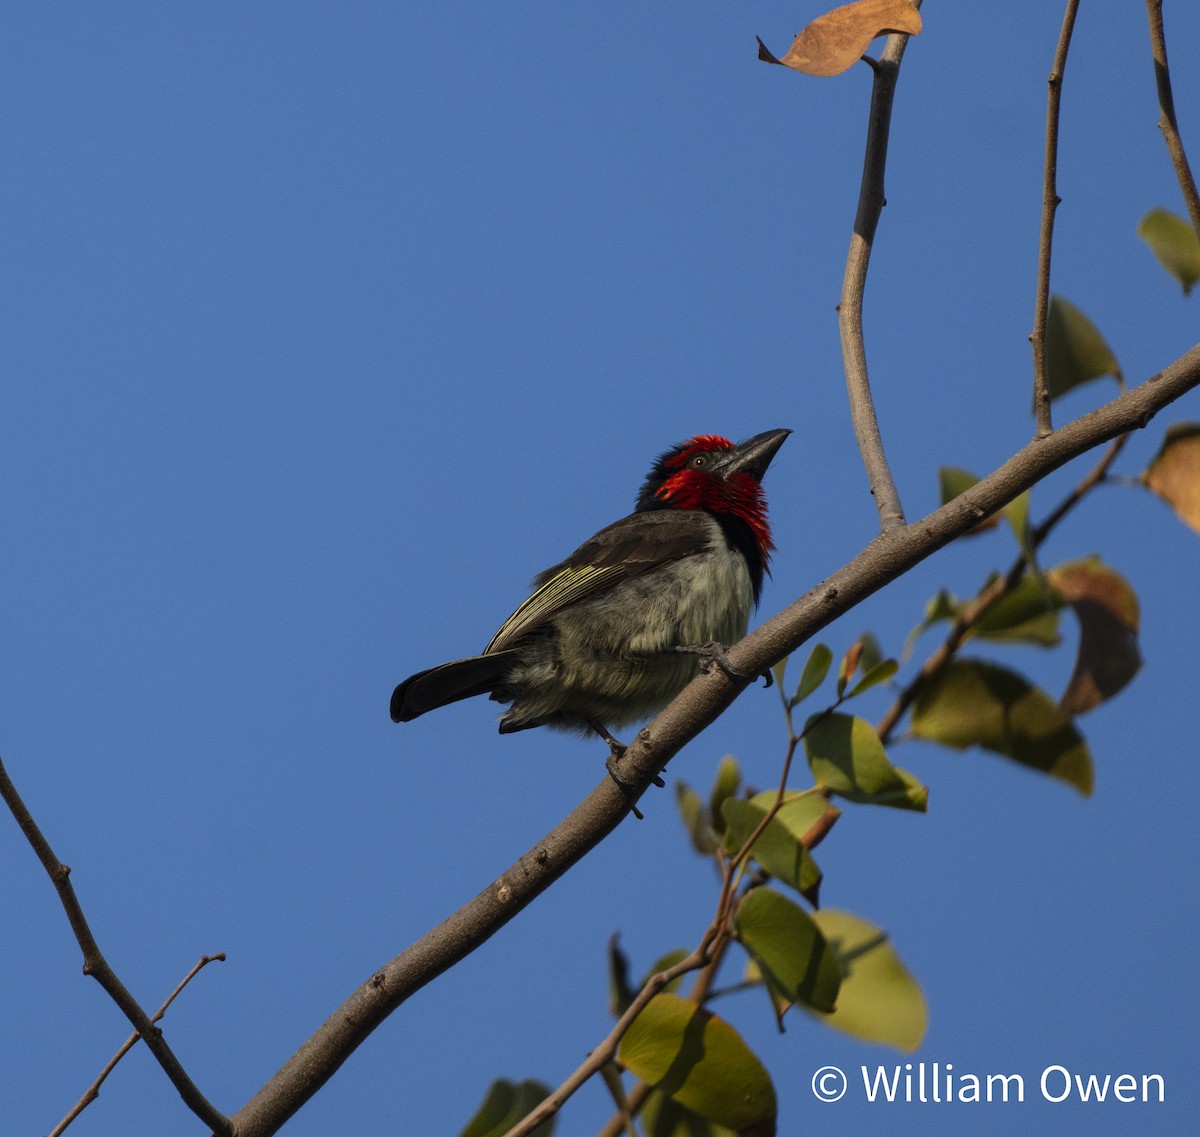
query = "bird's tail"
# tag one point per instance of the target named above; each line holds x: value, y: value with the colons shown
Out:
x: 460, y: 679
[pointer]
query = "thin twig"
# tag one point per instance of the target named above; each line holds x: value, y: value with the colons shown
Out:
x: 95, y: 965
x: 606, y: 1051
x: 973, y: 612
x: 698, y: 705
x: 93, y: 1091
x: 1050, y: 202
x: 702, y: 989
x: 1167, y: 122
x: 854, y: 282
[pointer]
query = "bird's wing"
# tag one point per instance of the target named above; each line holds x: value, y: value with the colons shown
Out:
x: 626, y: 549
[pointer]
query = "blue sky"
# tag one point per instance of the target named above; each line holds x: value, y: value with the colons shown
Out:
x: 327, y: 327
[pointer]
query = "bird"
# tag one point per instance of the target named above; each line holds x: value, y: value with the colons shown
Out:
x: 615, y: 631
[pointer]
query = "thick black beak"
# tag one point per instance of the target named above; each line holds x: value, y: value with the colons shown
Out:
x: 753, y: 456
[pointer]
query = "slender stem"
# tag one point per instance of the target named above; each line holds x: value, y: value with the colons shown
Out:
x: 701, y: 990
x: 850, y: 308
x: 606, y: 1051
x: 93, y: 1091
x: 1050, y: 202
x: 1167, y: 122
x: 95, y: 965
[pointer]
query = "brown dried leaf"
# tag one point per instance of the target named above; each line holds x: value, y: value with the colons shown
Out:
x: 1107, y: 608
x: 834, y: 42
x: 1175, y: 472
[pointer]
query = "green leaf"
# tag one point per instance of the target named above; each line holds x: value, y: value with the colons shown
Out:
x: 779, y: 848
x: 845, y: 755
x: 778, y: 671
x: 1076, y: 352
x: 696, y: 820
x: 506, y: 1103
x: 725, y: 785
x: 1027, y: 613
x: 663, y: 1117
x: 879, y: 1000
x: 944, y: 606
x: 620, y: 994
x: 872, y: 655
x: 816, y: 667
x: 953, y: 481
x: 1017, y: 513
x: 1173, y: 241
x: 880, y: 673
x: 800, y: 811
x: 1107, y: 609
x: 701, y: 1062
x: 1175, y: 472
x: 795, y: 961
x: 970, y: 702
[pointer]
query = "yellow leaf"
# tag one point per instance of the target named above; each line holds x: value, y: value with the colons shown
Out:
x: 971, y: 702
x: 879, y: 1000
x: 834, y: 42
x: 1175, y: 472
x: 702, y: 1062
x: 1173, y: 241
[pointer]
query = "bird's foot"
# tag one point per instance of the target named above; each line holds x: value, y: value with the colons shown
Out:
x: 713, y: 654
x: 616, y: 753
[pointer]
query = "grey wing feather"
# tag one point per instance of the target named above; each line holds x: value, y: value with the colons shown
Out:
x: 622, y: 551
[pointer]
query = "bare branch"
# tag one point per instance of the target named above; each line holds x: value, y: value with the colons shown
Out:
x: 850, y: 308
x: 886, y: 558
x: 1167, y: 123
x: 93, y: 1091
x: 1050, y: 201
x: 95, y: 965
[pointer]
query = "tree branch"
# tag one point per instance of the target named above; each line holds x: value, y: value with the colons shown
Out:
x: 854, y: 282
x: 1050, y: 202
x: 1167, y: 123
x: 93, y: 1091
x: 887, y: 557
x: 95, y: 965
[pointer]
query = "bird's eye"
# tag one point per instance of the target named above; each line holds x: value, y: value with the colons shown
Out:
x: 699, y: 462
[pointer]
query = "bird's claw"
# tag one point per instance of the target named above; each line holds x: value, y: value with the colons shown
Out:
x: 625, y: 787
x: 616, y: 753
x: 714, y: 654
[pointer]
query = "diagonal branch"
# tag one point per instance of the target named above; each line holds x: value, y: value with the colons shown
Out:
x: 1167, y: 123
x: 885, y: 559
x: 93, y: 1091
x: 850, y: 308
x: 95, y: 965
x: 1050, y: 203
